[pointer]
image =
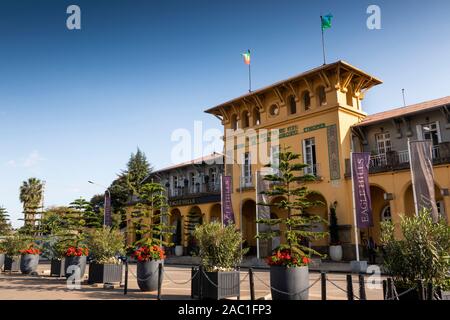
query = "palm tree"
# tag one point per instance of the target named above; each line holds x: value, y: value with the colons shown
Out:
x: 31, y: 193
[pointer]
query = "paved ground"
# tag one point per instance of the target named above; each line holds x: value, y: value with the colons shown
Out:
x: 18, y: 286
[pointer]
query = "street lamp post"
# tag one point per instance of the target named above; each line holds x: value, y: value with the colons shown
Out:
x: 109, y: 195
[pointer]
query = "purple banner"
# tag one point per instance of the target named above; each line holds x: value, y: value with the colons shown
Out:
x: 227, y: 206
x: 107, y: 221
x: 360, y: 176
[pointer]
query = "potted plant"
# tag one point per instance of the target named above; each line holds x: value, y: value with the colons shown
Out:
x: 29, y: 260
x: 152, y: 225
x: 220, y: 254
x: 289, y: 272
x: 335, y: 244
x: 421, y: 253
x: 105, y: 245
x: 75, y: 258
x: 178, y: 239
x: 12, y: 246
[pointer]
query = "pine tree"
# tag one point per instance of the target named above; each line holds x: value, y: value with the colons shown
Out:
x: 5, y: 226
x: 289, y: 186
x: 138, y: 168
x: 151, y: 217
x: 90, y: 218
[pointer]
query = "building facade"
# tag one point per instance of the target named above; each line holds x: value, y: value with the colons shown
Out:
x: 385, y: 135
x: 192, y: 187
x: 313, y: 114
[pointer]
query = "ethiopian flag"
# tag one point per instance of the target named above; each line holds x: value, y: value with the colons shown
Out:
x: 246, y: 56
x: 326, y: 21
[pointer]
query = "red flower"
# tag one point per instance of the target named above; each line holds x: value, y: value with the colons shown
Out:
x: 149, y: 253
x: 77, y: 252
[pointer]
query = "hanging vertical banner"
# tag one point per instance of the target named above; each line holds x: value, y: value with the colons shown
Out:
x: 360, y: 176
x: 263, y: 212
x: 107, y: 220
x: 421, y: 159
x: 227, y: 206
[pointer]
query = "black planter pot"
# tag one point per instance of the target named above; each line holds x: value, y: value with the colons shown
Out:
x: 215, y: 285
x: 412, y: 295
x: 57, y: 268
x: 12, y: 264
x: 2, y: 260
x: 147, y: 275
x: 292, y: 282
x: 75, y: 261
x: 29, y: 263
x: 105, y: 273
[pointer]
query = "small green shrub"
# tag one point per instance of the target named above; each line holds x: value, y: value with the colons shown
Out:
x: 219, y: 246
x: 14, y: 243
x: 421, y: 254
x: 105, y: 245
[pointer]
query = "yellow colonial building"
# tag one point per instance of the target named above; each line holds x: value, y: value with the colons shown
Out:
x: 319, y: 115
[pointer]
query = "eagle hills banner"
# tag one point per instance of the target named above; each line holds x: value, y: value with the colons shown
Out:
x: 227, y: 206
x: 107, y: 221
x: 421, y: 159
x: 363, y: 202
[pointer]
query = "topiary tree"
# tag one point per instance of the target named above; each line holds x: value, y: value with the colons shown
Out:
x: 334, y: 228
x: 193, y: 219
x: 288, y: 185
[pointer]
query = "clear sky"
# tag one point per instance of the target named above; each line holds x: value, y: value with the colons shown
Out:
x: 75, y: 104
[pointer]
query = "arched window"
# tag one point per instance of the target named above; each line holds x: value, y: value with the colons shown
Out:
x: 292, y: 105
x: 245, y: 120
x: 256, y: 117
x: 386, y: 214
x: 234, y: 122
x: 306, y: 98
x: 322, y: 96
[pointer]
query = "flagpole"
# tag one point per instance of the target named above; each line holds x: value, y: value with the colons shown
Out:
x: 257, y: 217
x: 323, y: 41
x: 249, y: 76
x: 354, y: 208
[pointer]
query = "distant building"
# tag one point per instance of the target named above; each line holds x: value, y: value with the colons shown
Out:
x: 192, y: 187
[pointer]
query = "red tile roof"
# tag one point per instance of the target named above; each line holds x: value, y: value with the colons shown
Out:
x: 401, y: 112
x: 210, y: 158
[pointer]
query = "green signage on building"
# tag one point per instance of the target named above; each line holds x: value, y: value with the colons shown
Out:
x: 315, y: 127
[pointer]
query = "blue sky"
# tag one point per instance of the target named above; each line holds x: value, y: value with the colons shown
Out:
x: 75, y: 104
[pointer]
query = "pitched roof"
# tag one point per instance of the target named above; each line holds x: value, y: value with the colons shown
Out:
x: 342, y: 63
x: 208, y: 158
x: 404, y: 111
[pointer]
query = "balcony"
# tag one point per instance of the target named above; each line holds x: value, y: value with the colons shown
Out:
x: 399, y: 160
x: 195, y: 191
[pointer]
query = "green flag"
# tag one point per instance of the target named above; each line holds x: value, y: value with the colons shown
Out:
x: 326, y: 21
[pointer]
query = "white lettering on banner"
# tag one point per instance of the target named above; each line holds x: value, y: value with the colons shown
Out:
x: 363, y: 202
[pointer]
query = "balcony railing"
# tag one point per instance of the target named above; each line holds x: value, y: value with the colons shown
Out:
x: 399, y: 160
x: 204, y: 188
